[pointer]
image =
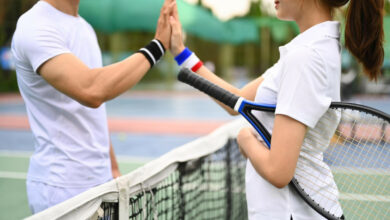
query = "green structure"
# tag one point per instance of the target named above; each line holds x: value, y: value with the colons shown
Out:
x: 110, y: 16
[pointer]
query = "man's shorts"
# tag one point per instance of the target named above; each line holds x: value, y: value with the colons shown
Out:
x: 42, y: 196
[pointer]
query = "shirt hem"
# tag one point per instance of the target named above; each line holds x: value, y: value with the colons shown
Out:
x: 301, y: 119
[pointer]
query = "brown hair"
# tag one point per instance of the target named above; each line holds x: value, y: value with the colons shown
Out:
x: 364, y: 32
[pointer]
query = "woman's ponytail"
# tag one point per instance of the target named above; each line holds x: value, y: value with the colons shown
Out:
x: 364, y: 34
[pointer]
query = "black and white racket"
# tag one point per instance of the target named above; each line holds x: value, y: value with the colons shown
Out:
x: 344, y: 164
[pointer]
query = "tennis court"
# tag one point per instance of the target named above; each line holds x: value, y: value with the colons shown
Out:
x: 144, y: 126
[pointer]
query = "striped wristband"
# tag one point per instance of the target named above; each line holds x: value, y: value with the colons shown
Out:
x: 188, y: 59
x: 153, y: 51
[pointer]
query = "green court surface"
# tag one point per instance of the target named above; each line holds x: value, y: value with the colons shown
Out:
x: 13, y: 204
x: 13, y: 169
x: 372, y: 199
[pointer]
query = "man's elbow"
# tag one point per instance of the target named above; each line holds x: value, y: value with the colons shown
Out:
x: 92, y: 100
x: 92, y: 104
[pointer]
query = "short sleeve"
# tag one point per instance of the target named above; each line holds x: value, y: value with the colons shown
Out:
x: 304, y: 91
x: 41, y: 43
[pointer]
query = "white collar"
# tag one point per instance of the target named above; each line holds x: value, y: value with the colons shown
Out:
x: 328, y: 29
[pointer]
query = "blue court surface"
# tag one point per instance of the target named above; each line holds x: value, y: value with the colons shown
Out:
x: 133, y: 107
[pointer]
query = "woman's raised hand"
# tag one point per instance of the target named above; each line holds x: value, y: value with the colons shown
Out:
x: 177, y: 45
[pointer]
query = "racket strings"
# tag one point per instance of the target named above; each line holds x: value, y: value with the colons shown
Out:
x: 366, y: 146
x: 369, y: 137
x: 351, y: 141
x: 327, y: 199
x: 345, y: 147
x: 377, y: 122
x: 325, y: 193
x: 379, y: 145
x: 370, y: 159
x: 361, y: 186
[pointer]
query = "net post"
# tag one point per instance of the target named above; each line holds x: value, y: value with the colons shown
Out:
x: 123, y: 197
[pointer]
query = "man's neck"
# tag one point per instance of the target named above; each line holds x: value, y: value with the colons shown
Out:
x: 70, y: 7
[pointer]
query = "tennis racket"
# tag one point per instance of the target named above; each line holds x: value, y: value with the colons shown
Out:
x: 347, y: 173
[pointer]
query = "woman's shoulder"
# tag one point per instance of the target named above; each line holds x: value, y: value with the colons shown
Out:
x: 319, y: 42
x: 303, y: 55
x: 322, y: 52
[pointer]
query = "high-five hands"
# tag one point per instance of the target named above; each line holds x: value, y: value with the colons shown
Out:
x: 177, y: 44
x: 169, y: 30
x: 164, y: 30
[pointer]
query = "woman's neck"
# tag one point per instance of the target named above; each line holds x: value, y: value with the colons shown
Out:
x: 70, y: 7
x: 314, y: 14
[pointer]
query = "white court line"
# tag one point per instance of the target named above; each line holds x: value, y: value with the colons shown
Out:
x: 13, y: 175
x: 11, y: 153
x: 364, y: 197
x: 120, y: 158
x: 361, y: 171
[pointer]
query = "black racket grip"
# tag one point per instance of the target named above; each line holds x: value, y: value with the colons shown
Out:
x: 187, y: 76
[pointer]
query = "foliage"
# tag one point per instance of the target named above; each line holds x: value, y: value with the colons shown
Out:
x: 8, y: 81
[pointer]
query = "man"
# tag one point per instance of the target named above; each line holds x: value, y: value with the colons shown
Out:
x: 64, y: 86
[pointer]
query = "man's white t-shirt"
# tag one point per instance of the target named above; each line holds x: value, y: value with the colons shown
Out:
x: 302, y: 84
x: 71, y: 140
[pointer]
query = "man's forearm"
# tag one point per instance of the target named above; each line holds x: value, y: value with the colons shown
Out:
x: 110, y: 81
x: 92, y: 87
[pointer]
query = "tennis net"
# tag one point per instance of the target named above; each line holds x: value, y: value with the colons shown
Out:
x: 203, y: 179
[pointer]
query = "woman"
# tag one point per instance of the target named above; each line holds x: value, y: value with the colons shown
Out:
x: 302, y: 84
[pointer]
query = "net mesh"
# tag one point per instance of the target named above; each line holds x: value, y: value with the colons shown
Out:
x: 211, y: 187
x: 110, y: 211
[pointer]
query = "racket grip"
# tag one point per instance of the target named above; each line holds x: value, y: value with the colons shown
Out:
x: 187, y: 76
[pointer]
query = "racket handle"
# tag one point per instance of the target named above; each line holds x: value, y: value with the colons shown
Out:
x: 187, y: 76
